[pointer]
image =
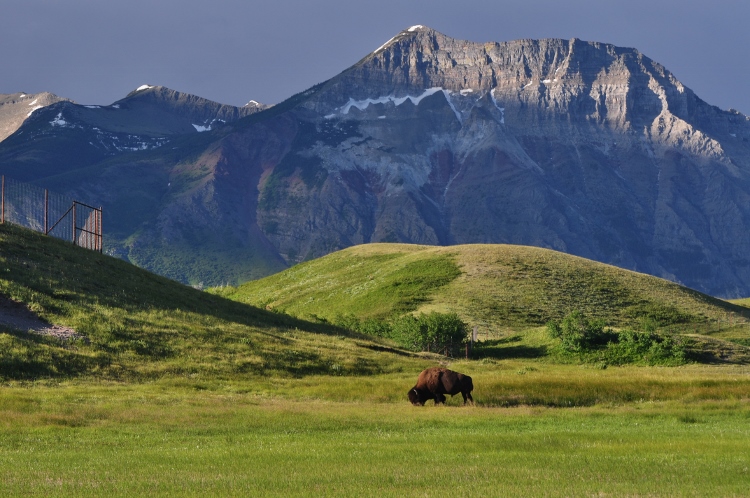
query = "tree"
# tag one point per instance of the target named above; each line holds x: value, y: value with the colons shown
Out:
x: 438, y: 332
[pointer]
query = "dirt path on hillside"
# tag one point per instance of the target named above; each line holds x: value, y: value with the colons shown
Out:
x: 17, y: 316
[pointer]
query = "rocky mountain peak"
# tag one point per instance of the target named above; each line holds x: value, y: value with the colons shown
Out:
x: 583, y: 147
x: 599, y: 82
x: 163, y: 95
x: 202, y: 114
x: 15, y: 108
x: 255, y: 105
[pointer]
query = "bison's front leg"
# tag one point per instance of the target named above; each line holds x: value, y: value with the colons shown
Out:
x: 439, y: 399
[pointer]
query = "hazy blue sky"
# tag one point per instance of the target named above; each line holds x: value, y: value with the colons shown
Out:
x: 231, y: 51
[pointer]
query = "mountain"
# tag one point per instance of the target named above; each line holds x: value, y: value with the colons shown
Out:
x: 582, y: 147
x: 123, y: 157
x: 65, y: 136
x: 15, y: 108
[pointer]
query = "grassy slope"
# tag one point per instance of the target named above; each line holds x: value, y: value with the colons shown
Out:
x: 499, y: 288
x: 228, y: 409
x: 497, y: 285
x: 141, y: 326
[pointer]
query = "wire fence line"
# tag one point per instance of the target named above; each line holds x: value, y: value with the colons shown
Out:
x: 54, y: 214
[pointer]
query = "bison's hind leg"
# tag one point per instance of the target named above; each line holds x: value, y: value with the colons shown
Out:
x: 468, y: 395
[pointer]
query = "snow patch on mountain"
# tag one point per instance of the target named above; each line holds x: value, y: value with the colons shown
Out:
x: 113, y: 143
x: 410, y: 30
x: 143, y: 87
x: 384, y: 45
x: 59, y: 121
x: 207, y: 126
x: 501, y: 109
x: 397, y: 101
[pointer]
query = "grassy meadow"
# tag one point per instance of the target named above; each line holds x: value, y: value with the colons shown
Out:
x: 171, y: 439
x: 177, y: 392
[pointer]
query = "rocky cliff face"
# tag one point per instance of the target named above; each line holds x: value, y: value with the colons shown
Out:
x: 17, y: 107
x: 582, y: 147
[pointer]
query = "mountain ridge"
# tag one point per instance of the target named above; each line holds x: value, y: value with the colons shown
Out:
x: 582, y: 147
x: 15, y: 108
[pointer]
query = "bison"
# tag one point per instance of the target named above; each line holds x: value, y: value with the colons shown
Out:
x: 435, y: 383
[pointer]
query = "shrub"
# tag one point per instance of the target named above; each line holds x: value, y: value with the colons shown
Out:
x: 646, y: 347
x: 375, y: 327
x: 592, y: 343
x: 437, y: 332
x: 577, y: 333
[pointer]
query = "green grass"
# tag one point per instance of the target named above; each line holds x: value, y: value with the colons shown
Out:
x: 501, y: 289
x: 183, y: 393
x: 140, y: 326
x: 375, y: 285
x: 497, y: 285
x: 168, y: 440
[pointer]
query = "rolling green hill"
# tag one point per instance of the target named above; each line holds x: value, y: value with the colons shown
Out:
x: 499, y: 288
x: 139, y: 326
x: 136, y: 326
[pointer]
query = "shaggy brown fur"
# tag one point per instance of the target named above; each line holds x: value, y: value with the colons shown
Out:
x: 436, y: 382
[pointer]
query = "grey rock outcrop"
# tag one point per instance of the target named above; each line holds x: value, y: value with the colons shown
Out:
x: 15, y: 108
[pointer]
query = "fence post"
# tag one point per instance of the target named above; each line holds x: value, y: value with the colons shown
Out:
x: 73, y: 224
x: 46, y: 211
x: 3, y: 201
x: 100, y: 230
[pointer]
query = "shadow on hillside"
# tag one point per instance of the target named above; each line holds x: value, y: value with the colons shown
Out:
x: 29, y: 356
x: 386, y: 349
x: 501, y: 350
x: 712, y: 351
x: 246, y: 314
x: 62, y: 276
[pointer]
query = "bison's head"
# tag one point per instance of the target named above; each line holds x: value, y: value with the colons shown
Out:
x: 415, y: 397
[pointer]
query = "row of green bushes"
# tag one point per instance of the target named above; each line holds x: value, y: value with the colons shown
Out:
x: 437, y: 332
x: 580, y: 338
x: 589, y: 341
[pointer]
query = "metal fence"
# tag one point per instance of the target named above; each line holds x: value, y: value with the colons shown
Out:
x: 53, y: 214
